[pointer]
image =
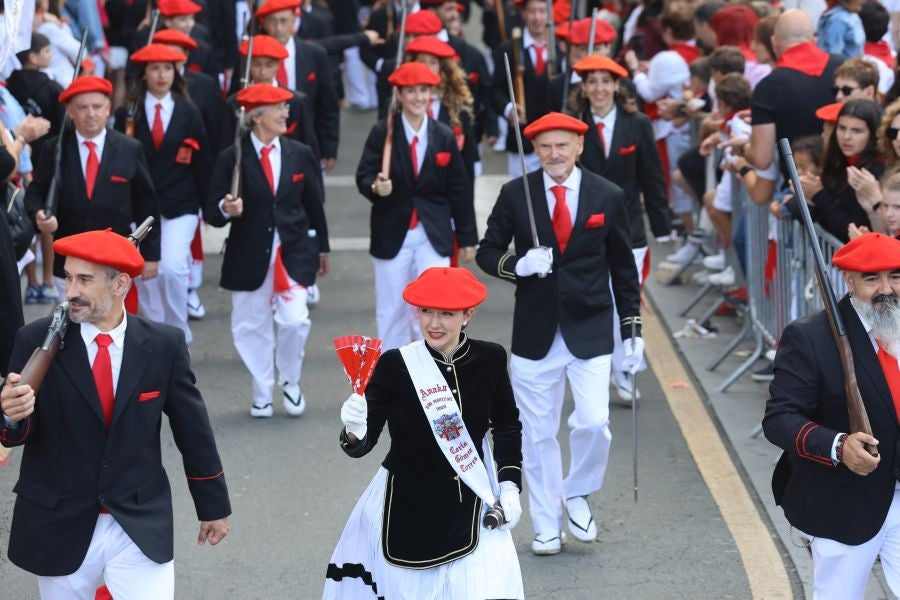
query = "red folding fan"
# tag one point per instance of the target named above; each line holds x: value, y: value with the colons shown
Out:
x: 358, y: 355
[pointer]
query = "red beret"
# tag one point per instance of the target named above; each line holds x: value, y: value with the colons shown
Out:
x: 274, y: 6
x: 173, y: 37
x: 562, y: 31
x: 428, y: 44
x: 561, y: 11
x: 604, y: 33
x: 157, y: 53
x: 869, y: 253
x: 423, y: 22
x: 265, y: 46
x: 413, y: 73
x: 829, y: 113
x: 555, y: 120
x: 599, y: 63
x: 445, y: 288
x: 175, y: 8
x: 262, y: 94
x: 103, y: 248
x: 85, y: 85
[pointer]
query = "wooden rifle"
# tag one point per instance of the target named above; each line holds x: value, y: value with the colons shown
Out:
x: 859, y: 419
x: 53, y: 191
x: 567, y: 72
x: 394, y: 107
x: 519, y: 68
x: 35, y: 370
x: 551, y: 41
x: 500, y: 11
x: 131, y: 114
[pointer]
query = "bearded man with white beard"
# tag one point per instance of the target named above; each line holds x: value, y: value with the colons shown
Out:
x: 831, y: 489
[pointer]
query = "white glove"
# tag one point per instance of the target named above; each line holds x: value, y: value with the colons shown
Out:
x: 634, y: 354
x: 536, y: 261
x: 509, y: 500
x: 354, y: 415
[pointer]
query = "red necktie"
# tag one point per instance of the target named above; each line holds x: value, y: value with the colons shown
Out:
x: 267, y: 166
x: 600, y: 127
x: 562, y: 220
x: 892, y: 373
x: 158, y: 132
x: 91, y: 167
x: 414, y: 219
x: 102, y: 370
x: 539, y: 64
x: 281, y: 75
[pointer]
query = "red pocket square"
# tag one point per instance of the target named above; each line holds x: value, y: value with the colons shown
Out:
x: 297, y: 177
x: 442, y: 159
x: 144, y: 396
x: 117, y: 179
x: 474, y: 76
x: 311, y: 77
x: 627, y: 150
x: 191, y: 142
x: 292, y: 128
x: 597, y: 220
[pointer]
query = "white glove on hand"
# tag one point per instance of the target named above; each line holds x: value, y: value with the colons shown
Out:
x: 354, y: 414
x: 536, y: 261
x: 509, y: 500
x: 634, y: 354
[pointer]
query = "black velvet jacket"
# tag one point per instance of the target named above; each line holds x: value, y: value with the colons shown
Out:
x: 423, y: 491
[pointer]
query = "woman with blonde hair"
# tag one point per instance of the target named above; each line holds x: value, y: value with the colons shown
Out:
x: 888, y: 140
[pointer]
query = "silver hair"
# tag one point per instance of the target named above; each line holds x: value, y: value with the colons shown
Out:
x: 250, y: 116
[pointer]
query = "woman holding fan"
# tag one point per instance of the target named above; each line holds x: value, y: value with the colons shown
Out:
x: 417, y: 531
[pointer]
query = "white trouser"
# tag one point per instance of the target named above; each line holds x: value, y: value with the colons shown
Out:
x: 396, y: 320
x: 360, y: 88
x: 514, y: 163
x: 618, y: 354
x: 539, y: 386
x: 112, y: 557
x: 841, y: 572
x: 164, y: 298
x: 253, y: 317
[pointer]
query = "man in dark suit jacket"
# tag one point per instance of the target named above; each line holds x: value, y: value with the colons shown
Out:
x: 105, y: 181
x: 829, y: 486
x: 93, y: 498
x: 534, y: 55
x: 277, y: 245
x: 563, y: 319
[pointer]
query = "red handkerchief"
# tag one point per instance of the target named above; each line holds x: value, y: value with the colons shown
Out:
x: 184, y: 155
x: 297, y: 177
x: 144, y: 396
x: 474, y: 77
x: 442, y: 159
x: 117, y: 179
x: 311, y: 77
x: 292, y: 128
x: 627, y: 150
x: 597, y: 220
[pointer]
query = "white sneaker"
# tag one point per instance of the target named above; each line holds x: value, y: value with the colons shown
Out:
x: 313, y: 295
x: 294, y: 403
x: 546, y: 545
x: 715, y: 262
x: 195, y: 307
x: 724, y: 279
x: 687, y: 253
x: 581, y: 521
x: 622, y: 381
x: 261, y: 412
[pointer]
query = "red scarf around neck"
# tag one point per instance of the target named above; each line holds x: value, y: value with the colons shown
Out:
x: 686, y: 51
x: 880, y: 50
x: 804, y: 57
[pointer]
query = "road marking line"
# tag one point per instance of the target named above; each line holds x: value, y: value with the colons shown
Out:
x: 762, y: 561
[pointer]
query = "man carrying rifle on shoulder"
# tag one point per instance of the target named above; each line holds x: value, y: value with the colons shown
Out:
x: 102, y: 177
x: 93, y: 499
x: 829, y: 484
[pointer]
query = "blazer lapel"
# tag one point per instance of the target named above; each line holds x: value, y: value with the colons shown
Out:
x: 865, y: 358
x: 542, y: 219
x: 110, y: 147
x: 593, y: 137
x: 74, y: 361
x: 254, y: 167
x: 135, y: 357
x: 619, y: 137
x: 585, y: 194
x: 428, y: 160
x: 73, y: 166
x: 172, y: 135
x: 287, y: 169
x: 402, y: 152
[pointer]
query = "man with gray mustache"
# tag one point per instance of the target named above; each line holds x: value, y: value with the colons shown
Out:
x: 830, y: 487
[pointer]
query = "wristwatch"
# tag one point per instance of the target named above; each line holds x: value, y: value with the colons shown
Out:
x: 745, y: 169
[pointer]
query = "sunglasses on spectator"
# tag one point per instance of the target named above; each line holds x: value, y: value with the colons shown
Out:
x: 844, y: 89
x: 891, y: 133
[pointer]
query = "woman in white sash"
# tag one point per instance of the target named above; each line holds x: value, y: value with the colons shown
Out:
x: 417, y: 531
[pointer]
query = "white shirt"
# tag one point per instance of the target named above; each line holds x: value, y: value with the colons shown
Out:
x: 572, y: 185
x: 168, y: 107
x: 609, y: 125
x: 531, y: 46
x: 422, y: 134
x: 274, y: 156
x: 83, y: 152
x: 290, y: 64
x: 89, y: 331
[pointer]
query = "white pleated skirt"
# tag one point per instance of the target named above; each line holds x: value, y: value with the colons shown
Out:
x: 358, y: 570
